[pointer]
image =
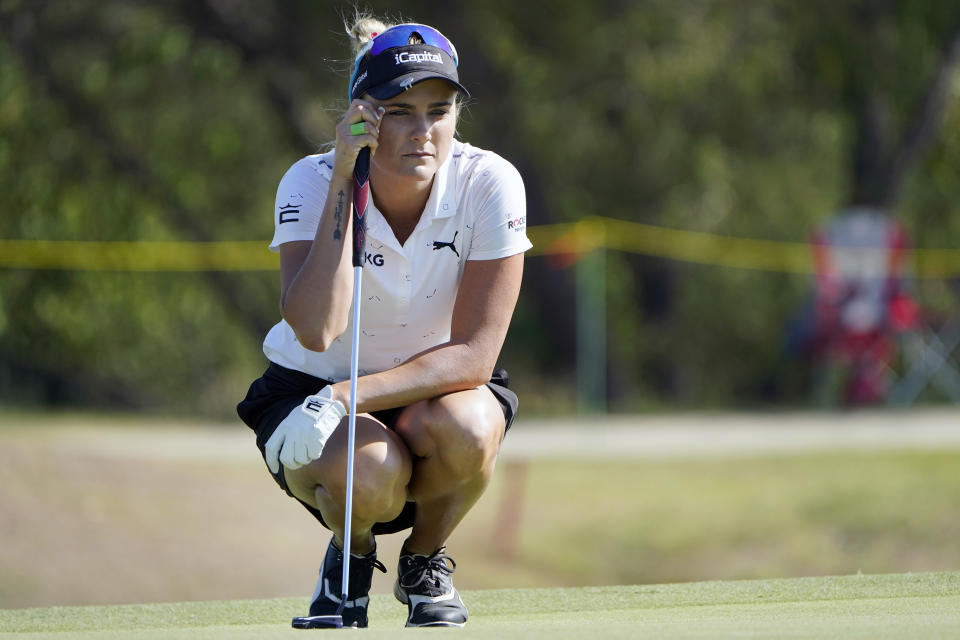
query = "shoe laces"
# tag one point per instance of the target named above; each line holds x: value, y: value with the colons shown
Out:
x: 361, y: 570
x: 368, y: 563
x: 431, y: 571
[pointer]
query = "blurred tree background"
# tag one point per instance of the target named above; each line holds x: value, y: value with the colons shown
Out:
x: 152, y: 121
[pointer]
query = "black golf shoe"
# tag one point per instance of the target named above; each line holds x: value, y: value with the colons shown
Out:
x: 425, y: 586
x: 327, y: 596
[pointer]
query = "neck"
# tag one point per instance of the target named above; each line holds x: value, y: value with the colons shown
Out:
x: 400, y: 201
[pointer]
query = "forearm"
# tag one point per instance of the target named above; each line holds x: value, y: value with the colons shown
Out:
x: 488, y: 293
x: 444, y: 369
x: 316, y: 303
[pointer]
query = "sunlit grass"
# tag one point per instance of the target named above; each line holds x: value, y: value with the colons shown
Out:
x: 888, y: 606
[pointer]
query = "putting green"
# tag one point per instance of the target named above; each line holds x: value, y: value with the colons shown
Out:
x: 925, y: 605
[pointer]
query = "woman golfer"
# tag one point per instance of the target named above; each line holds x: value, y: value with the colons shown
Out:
x: 442, y: 270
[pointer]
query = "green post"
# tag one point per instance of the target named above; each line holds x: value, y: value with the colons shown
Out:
x: 591, y: 283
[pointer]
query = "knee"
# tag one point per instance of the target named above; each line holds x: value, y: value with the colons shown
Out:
x: 471, y: 444
x: 382, y: 469
x: 378, y: 497
x: 464, y: 432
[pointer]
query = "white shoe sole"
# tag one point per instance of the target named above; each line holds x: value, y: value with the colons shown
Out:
x: 401, y: 595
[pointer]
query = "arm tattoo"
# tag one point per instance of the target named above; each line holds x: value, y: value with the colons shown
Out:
x: 338, y: 214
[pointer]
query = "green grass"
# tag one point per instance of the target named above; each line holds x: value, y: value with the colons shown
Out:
x: 746, y: 517
x: 120, y: 510
x: 883, y: 606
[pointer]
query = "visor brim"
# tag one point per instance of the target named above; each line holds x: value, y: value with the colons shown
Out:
x: 395, y: 86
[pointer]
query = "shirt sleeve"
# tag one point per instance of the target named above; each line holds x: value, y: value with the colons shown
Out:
x: 501, y: 221
x: 300, y: 199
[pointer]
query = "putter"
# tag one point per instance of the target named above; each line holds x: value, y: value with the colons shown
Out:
x: 361, y: 192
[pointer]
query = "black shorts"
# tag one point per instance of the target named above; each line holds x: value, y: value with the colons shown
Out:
x: 279, y: 390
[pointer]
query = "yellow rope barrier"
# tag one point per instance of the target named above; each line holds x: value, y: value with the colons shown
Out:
x: 573, y: 239
x: 711, y: 249
x: 137, y: 256
x: 675, y: 244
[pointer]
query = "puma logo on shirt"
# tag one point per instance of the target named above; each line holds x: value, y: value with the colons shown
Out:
x: 437, y: 245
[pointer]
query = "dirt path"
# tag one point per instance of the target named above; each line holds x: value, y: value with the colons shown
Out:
x: 652, y: 436
x: 733, y: 434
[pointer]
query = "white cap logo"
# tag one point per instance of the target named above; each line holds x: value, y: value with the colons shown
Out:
x: 407, y: 57
x: 362, y: 77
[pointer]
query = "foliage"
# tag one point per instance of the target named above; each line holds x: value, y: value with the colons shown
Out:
x: 151, y: 121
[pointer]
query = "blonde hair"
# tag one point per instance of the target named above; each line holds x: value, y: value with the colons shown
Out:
x: 363, y: 29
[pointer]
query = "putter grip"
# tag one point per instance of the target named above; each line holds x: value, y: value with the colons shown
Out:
x: 361, y: 193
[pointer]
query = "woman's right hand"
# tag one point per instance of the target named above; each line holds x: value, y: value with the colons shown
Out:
x: 348, y: 145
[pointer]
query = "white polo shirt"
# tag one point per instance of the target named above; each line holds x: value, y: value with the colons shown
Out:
x: 476, y: 211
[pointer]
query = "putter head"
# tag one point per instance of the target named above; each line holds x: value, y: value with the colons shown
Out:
x: 318, y: 622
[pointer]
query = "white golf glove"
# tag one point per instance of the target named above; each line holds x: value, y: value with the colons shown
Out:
x: 300, y: 437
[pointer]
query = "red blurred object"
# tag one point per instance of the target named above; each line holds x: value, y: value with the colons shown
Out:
x: 861, y: 303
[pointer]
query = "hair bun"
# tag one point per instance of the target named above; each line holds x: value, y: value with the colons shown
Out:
x: 364, y: 29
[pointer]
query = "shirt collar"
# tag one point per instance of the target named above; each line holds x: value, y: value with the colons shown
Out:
x: 440, y: 204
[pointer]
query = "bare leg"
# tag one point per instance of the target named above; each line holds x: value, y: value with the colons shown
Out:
x: 381, y: 474
x: 455, y: 440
